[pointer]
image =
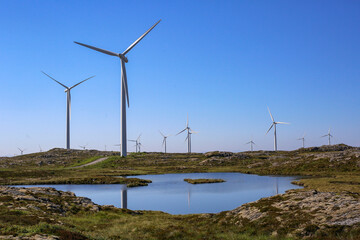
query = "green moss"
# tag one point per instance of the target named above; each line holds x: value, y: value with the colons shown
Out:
x: 203, y: 180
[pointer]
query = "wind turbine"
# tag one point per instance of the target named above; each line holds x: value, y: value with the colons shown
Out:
x: 124, y: 85
x: 21, y: 150
x: 303, y: 140
x: 164, y: 140
x: 251, y: 144
x: 329, y: 136
x: 83, y: 147
x: 189, y: 132
x: 118, y: 145
x: 68, y: 107
x: 274, y: 124
x: 40, y: 148
x: 137, y: 143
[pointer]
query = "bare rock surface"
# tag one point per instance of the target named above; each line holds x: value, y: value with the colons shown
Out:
x: 303, y: 213
x: 46, y: 199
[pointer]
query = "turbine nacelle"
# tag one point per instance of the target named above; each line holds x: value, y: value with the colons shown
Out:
x: 122, y: 57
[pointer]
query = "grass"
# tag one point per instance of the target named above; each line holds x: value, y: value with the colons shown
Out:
x: 203, y: 180
x: 331, y: 170
x: 84, y: 161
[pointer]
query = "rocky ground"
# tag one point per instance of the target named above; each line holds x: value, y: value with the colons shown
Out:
x: 327, y: 208
x: 297, y: 213
x: 300, y: 213
x: 31, y: 206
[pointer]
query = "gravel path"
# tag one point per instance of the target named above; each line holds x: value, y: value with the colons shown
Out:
x: 91, y: 163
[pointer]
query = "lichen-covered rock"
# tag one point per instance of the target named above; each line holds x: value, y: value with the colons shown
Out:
x: 300, y: 213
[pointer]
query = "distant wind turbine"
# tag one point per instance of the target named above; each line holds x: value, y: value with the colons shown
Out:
x: 118, y: 145
x: 329, y: 136
x: 164, y: 139
x: 124, y: 85
x: 189, y: 132
x: 274, y: 125
x: 303, y: 140
x: 68, y: 107
x: 251, y: 144
x: 40, y: 148
x: 137, y: 143
x: 22, y: 151
x: 83, y: 147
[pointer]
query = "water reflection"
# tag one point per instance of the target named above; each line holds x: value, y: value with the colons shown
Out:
x: 124, y: 197
x: 170, y: 193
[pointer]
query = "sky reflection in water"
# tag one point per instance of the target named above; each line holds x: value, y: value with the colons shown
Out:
x: 169, y: 192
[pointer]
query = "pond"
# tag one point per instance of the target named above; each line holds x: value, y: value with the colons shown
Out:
x: 170, y: 193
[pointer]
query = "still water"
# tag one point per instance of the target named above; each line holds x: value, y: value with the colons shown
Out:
x: 170, y: 193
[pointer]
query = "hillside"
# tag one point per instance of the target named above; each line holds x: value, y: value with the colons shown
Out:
x: 327, y: 208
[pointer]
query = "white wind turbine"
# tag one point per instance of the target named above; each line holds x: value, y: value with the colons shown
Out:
x: 137, y: 143
x: 84, y: 146
x: 329, y: 136
x: 189, y: 132
x: 68, y: 107
x: 124, y: 85
x: 164, y: 140
x: 274, y: 125
x: 303, y: 140
x: 251, y: 144
x: 21, y: 150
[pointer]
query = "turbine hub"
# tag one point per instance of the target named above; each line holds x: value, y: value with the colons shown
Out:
x: 123, y: 57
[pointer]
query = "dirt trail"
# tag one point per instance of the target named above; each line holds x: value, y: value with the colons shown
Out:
x: 91, y: 163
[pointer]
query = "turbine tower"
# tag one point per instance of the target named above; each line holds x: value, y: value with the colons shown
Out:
x: 274, y: 125
x: 68, y: 107
x: 164, y: 140
x: 329, y: 136
x: 251, y: 144
x: 303, y: 141
x: 189, y: 132
x: 124, y: 85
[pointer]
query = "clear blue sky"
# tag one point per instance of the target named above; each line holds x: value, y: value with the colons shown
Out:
x: 223, y: 62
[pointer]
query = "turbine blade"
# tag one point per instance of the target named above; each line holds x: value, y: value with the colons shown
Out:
x: 124, y: 81
x: 272, y: 119
x: 139, y: 136
x: 187, y: 121
x: 270, y: 128
x: 162, y: 134
x: 163, y: 142
x: 248, y: 143
x: 139, y: 39
x: 81, y: 82
x: 181, y: 132
x: 282, y: 123
x: 55, y: 80
x: 325, y: 135
x: 98, y: 49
